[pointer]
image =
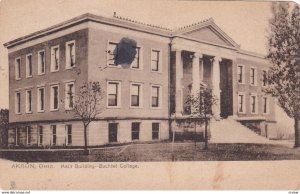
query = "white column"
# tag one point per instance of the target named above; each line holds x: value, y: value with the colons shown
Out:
x: 216, y: 85
x: 179, y: 75
x: 196, y: 73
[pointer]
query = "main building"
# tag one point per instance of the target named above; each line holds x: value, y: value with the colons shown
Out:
x: 48, y: 67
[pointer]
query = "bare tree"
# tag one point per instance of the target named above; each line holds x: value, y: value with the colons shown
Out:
x: 199, y: 105
x: 86, y: 105
x: 284, y: 75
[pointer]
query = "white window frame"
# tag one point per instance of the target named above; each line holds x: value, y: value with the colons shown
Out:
x: 27, y: 101
x: 52, y: 64
x: 39, y: 99
x: 27, y: 65
x: 16, y: 136
x: 159, y: 60
x: 67, y: 135
x: 159, y: 96
x: 141, y: 94
x: 28, y: 134
x: 16, y: 103
x: 40, y: 63
x: 159, y: 129
x: 68, y: 59
x: 67, y: 107
x: 52, y: 97
x: 256, y: 104
x: 243, y: 74
x: 40, y: 134
x: 255, y: 76
x: 141, y: 67
x: 267, y: 105
x: 119, y: 93
x: 18, y: 75
x: 52, y: 134
x: 107, y: 54
x: 244, y: 103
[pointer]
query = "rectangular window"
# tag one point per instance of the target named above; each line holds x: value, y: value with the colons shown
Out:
x: 54, y: 97
x: 155, y: 96
x: 113, y: 94
x: 265, y: 78
x: 69, y: 97
x: 253, y: 104
x: 53, y: 130
x: 113, y: 132
x: 135, y: 93
x: 29, y: 65
x: 69, y: 134
x: 40, y: 136
x: 18, y: 103
x: 70, y: 54
x: 112, y: 54
x: 18, y: 69
x: 136, y: 61
x: 240, y: 74
x: 54, y: 58
x: 135, y: 131
x: 28, y: 135
x: 252, y: 76
x: 266, y: 105
x: 155, y: 131
x: 41, y: 63
x: 241, y: 103
x: 41, y: 99
x: 155, y: 60
x: 28, y: 101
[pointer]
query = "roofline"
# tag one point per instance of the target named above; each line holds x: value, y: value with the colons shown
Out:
x: 90, y: 17
x: 252, y: 54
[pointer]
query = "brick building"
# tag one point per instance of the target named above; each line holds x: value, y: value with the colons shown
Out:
x: 46, y: 69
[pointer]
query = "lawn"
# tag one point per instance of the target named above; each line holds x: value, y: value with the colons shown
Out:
x: 160, y: 152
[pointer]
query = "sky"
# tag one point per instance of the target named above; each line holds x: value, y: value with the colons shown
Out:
x: 245, y: 22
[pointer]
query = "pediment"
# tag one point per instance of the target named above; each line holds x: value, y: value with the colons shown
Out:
x: 207, y: 31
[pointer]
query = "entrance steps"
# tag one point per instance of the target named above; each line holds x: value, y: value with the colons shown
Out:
x: 231, y: 131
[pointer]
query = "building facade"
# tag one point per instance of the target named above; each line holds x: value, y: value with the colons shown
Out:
x: 141, y: 96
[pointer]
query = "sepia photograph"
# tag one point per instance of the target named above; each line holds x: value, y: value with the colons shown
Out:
x: 197, y: 91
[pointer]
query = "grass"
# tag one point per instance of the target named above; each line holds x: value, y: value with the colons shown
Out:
x: 160, y: 152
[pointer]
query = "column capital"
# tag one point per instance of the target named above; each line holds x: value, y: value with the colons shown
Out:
x: 198, y: 55
x: 217, y: 59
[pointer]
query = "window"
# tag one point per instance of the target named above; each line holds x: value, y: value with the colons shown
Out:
x: 155, y: 131
x: 135, y: 131
x: 40, y: 135
x: 41, y: 63
x: 240, y: 74
x: 54, y: 58
x: 69, y: 97
x: 266, y: 105
x: 253, y: 104
x: 69, y: 134
x: 113, y: 132
x: 29, y: 65
x: 113, y: 94
x: 16, y: 136
x: 28, y: 101
x: 155, y: 60
x: 155, y: 92
x: 70, y: 54
x: 41, y: 99
x: 54, y: 97
x: 252, y: 76
x: 18, y: 103
x: 53, y: 129
x: 241, y: 103
x: 18, y: 69
x: 136, y: 61
x: 135, y: 95
x: 28, y: 135
x: 265, y: 78
x: 112, y: 53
